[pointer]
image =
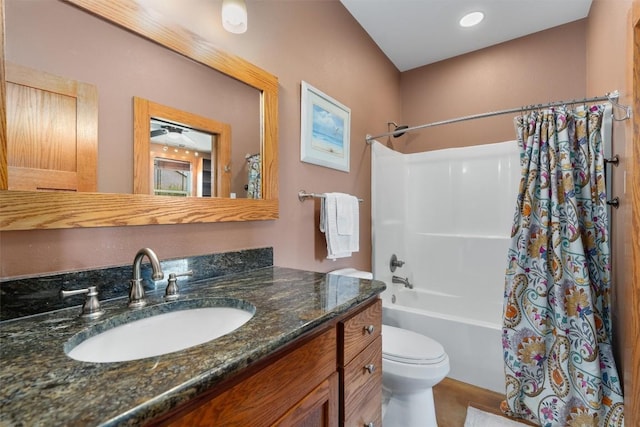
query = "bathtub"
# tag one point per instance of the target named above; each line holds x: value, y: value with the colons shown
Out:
x: 473, y: 342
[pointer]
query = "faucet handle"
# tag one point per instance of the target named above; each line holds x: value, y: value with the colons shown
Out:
x: 395, y: 263
x: 91, y: 308
x: 172, y: 291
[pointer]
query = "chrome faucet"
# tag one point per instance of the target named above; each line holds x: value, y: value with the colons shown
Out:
x: 136, y: 290
x: 403, y: 280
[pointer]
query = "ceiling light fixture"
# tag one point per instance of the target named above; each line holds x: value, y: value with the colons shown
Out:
x: 234, y: 16
x: 471, y: 19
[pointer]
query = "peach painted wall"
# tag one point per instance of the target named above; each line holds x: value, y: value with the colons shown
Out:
x: 542, y: 67
x: 315, y: 41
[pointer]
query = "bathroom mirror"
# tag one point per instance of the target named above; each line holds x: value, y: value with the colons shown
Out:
x: 29, y: 210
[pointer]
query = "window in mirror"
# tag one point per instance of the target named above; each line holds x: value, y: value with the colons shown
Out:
x: 171, y: 144
x: 172, y: 177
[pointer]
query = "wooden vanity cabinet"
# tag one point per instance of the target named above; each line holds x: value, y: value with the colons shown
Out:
x: 297, y: 388
x: 360, y: 367
x: 329, y: 378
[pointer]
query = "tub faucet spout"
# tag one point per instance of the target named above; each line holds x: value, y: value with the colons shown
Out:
x: 403, y: 280
x: 136, y: 290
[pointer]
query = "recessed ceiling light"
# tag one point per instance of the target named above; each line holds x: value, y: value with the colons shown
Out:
x: 471, y: 19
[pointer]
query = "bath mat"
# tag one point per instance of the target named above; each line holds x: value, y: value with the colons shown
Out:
x: 478, y: 418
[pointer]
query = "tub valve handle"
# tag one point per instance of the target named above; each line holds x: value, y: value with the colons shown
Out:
x: 395, y: 263
x: 369, y: 329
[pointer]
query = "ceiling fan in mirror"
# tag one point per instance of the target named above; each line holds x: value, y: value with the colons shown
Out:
x: 178, y: 136
x: 164, y: 130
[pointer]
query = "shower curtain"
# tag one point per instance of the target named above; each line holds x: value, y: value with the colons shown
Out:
x: 556, y: 336
x: 254, y: 187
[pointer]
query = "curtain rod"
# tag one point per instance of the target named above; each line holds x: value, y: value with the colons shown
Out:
x: 612, y: 97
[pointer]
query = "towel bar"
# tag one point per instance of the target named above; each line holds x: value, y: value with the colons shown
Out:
x: 303, y: 195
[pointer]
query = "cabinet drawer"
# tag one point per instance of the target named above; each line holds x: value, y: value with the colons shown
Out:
x: 367, y: 408
x: 360, y: 330
x: 362, y: 374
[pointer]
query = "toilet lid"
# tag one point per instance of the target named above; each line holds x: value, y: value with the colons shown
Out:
x: 402, y: 345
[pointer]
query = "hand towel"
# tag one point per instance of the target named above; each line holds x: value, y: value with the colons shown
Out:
x: 346, y: 211
x: 340, y: 245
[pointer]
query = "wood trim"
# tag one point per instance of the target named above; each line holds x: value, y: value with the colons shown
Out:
x: 4, y: 175
x: 87, y: 137
x: 269, y: 147
x: 25, y: 76
x: 29, y: 179
x: 632, y: 384
x: 141, y: 146
x: 27, y: 210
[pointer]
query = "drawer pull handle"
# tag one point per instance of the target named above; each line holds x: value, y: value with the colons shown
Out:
x: 371, y: 368
x: 369, y: 329
x: 371, y: 424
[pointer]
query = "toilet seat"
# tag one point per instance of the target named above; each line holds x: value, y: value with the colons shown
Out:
x: 404, y: 346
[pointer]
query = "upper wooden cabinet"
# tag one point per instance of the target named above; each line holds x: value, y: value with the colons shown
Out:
x: 52, y: 131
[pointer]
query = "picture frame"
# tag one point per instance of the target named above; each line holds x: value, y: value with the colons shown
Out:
x: 324, y: 130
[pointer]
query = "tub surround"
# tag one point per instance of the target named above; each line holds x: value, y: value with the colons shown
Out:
x: 455, y: 257
x: 43, y: 386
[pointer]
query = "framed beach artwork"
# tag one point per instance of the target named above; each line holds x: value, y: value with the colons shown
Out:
x: 325, y: 129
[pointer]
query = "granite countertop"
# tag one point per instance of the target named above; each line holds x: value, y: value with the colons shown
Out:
x: 41, y: 385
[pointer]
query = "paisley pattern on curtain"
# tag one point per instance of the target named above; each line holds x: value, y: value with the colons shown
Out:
x: 556, y: 336
x: 254, y: 177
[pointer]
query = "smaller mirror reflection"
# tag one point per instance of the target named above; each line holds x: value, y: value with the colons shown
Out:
x: 182, y: 160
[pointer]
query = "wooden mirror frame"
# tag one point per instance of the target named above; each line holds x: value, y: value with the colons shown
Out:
x: 24, y: 210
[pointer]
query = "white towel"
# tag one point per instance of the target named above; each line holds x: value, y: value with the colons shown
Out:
x: 345, y: 213
x: 339, y: 221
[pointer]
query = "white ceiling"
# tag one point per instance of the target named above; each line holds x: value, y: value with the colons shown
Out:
x: 189, y: 139
x: 413, y: 33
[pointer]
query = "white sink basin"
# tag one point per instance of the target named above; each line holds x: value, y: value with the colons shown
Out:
x: 159, y: 334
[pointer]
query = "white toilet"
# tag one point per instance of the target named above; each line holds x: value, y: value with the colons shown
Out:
x: 411, y: 365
